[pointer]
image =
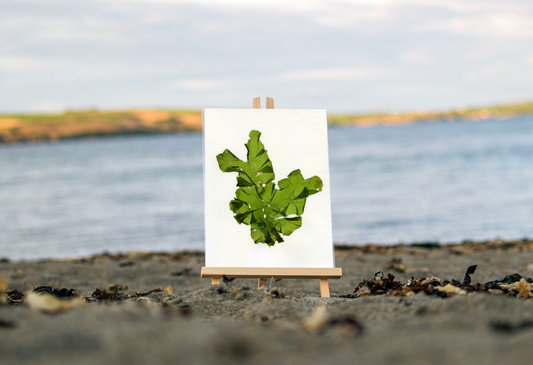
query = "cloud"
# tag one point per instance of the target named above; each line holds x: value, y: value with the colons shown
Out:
x: 335, y: 74
x: 406, y: 89
x: 480, y: 19
x: 328, y: 53
x: 10, y: 64
x: 473, y: 17
x: 47, y: 107
x: 418, y: 58
x: 510, y: 25
x: 281, y: 4
x: 200, y: 84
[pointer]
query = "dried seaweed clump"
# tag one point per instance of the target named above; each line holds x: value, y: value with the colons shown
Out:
x: 7, y: 296
x: 512, y: 285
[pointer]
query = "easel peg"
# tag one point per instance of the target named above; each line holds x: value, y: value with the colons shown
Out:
x: 257, y: 103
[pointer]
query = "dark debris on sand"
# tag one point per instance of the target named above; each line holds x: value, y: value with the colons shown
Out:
x: 512, y: 286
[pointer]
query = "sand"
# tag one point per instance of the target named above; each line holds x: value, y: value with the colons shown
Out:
x: 235, y: 322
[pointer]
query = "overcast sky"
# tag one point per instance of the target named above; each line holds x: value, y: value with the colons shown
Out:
x: 344, y: 55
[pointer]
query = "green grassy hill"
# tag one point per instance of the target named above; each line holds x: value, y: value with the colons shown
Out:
x: 475, y: 113
x: 93, y: 123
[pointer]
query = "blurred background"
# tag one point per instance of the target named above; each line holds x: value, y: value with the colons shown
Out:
x: 139, y: 72
x: 346, y: 55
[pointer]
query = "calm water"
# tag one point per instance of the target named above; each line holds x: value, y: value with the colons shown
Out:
x: 439, y: 182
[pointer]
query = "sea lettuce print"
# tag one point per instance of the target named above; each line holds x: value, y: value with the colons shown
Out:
x: 271, y: 212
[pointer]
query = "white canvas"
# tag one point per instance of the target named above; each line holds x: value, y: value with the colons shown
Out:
x: 294, y: 139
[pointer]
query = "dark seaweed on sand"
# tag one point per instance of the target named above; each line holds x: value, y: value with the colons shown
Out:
x: 512, y: 285
x: 112, y: 293
x: 57, y: 292
x: 15, y: 297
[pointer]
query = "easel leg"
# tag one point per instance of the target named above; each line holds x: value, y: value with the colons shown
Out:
x: 215, y: 281
x: 261, y: 282
x: 324, y: 288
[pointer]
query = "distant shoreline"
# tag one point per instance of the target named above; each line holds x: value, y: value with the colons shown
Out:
x: 94, y: 123
x: 16, y: 128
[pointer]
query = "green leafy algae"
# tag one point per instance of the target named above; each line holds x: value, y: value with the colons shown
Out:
x: 270, y: 212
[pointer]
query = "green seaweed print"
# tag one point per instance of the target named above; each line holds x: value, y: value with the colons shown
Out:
x: 270, y: 212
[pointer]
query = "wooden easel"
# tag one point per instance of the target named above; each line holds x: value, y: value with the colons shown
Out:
x: 277, y: 273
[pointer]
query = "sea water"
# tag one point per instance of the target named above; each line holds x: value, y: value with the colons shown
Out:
x: 439, y: 182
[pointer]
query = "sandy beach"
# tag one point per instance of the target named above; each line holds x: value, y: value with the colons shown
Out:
x: 140, y: 308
